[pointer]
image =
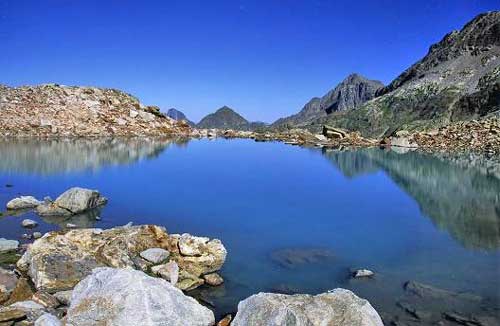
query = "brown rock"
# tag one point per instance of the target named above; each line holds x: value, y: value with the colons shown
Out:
x: 45, y: 299
x: 11, y: 314
x: 21, y: 292
x: 226, y: 321
x: 213, y: 279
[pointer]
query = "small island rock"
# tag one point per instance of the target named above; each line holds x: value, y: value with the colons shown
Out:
x: 23, y: 202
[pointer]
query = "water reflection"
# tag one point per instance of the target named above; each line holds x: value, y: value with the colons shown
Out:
x: 46, y: 157
x: 464, y: 201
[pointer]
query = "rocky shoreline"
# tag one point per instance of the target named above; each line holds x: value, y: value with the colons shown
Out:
x: 137, y: 274
x: 145, y: 276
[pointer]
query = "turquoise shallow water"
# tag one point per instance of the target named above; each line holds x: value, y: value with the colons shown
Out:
x: 406, y: 216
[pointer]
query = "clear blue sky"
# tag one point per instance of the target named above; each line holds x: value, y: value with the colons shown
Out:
x: 263, y: 58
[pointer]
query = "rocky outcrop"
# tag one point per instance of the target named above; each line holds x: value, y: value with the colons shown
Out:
x: 59, y: 260
x: 56, y: 110
x: 72, y: 202
x: 459, y: 79
x: 353, y: 91
x: 127, y: 297
x: 338, y: 307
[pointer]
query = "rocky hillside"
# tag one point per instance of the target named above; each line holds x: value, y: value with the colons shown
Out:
x: 56, y: 110
x: 349, y: 94
x: 178, y: 116
x: 227, y: 118
x: 458, y: 79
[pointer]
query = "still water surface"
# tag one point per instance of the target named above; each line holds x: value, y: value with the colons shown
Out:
x: 293, y: 219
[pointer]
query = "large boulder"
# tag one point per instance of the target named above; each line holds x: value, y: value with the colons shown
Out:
x: 128, y: 297
x: 339, y: 307
x: 59, y: 260
x: 73, y: 201
x: 23, y: 202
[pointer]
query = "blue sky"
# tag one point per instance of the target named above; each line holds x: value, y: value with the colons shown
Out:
x: 263, y: 58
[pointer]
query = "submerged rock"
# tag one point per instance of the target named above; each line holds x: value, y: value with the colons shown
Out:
x: 213, y: 279
x: 296, y: 257
x: 127, y: 297
x: 73, y: 201
x: 59, y: 260
x: 23, y: 202
x: 338, y: 307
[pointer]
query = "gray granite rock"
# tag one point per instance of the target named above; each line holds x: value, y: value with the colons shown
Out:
x: 23, y: 202
x: 339, y: 307
x: 48, y: 320
x: 129, y: 297
x: 155, y: 255
x: 73, y: 201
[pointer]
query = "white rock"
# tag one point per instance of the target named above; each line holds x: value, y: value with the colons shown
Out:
x: 146, y: 116
x: 48, y: 320
x: 27, y: 223
x: 339, y: 307
x: 32, y: 309
x: 133, y: 113
x: 8, y: 245
x: 133, y: 298
x: 363, y: 273
x: 121, y: 122
x: 155, y: 255
x: 168, y: 271
x: 192, y: 246
x: 23, y: 202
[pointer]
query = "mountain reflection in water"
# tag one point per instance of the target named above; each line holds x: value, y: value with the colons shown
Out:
x: 464, y: 201
x: 47, y: 157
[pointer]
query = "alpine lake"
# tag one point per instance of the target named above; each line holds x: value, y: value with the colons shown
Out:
x: 293, y: 219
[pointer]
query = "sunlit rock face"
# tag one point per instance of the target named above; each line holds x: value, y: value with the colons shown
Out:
x: 56, y: 110
x: 461, y: 199
x: 338, y: 307
x: 47, y: 157
x: 59, y: 260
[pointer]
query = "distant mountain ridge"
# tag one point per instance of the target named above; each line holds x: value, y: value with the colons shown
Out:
x: 179, y: 115
x: 227, y: 118
x: 458, y: 79
x: 353, y: 91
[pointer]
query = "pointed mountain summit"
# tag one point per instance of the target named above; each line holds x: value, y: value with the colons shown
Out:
x: 227, y: 118
x: 179, y: 115
x: 353, y: 91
